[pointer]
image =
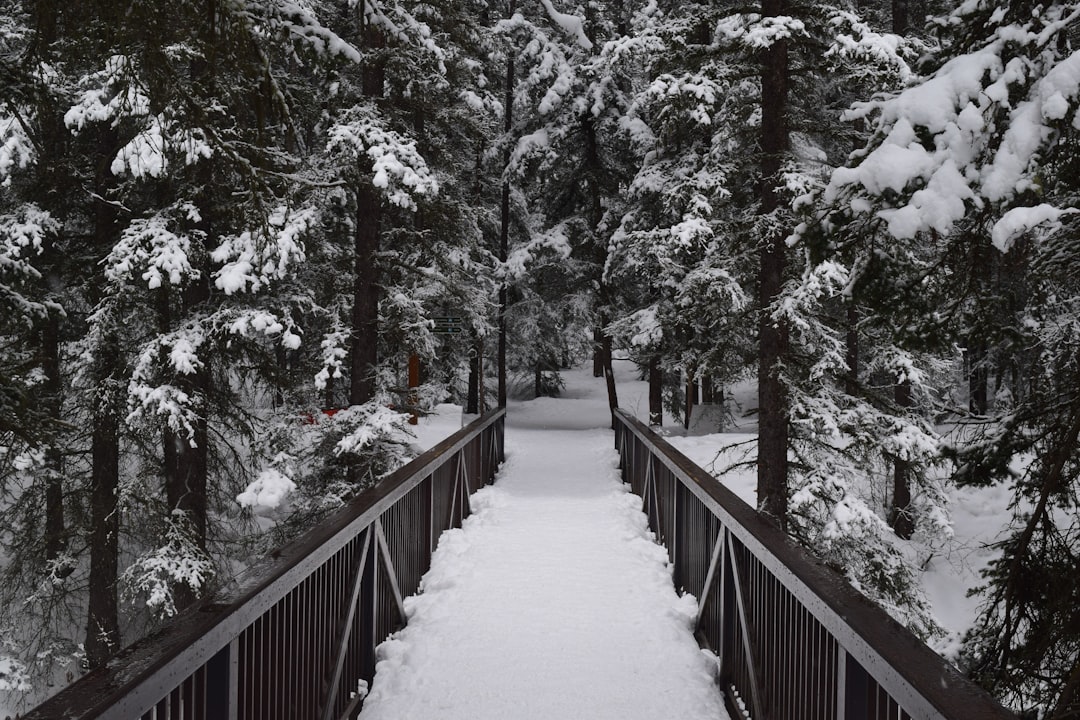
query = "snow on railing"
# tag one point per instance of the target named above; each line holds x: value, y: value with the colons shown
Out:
x: 794, y: 641
x: 295, y: 639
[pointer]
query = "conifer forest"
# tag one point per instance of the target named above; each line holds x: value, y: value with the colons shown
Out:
x: 220, y: 219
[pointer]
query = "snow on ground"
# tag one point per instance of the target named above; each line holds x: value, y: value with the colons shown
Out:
x: 552, y: 600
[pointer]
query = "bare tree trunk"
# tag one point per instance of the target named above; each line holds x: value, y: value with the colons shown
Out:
x: 900, y: 12
x: 102, y: 623
x: 103, y: 620
x: 364, y: 345
x: 609, y: 373
x: 656, y: 397
x: 978, y: 378
x: 900, y: 518
x: 598, y: 352
x: 772, y: 485
x: 473, y: 403
x: 504, y: 225
x: 52, y: 401
x: 691, y: 396
x: 851, y: 380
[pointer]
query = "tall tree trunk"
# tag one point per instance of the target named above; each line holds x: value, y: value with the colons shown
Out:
x: 609, y: 373
x: 504, y: 219
x: 103, y: 620
x: 102, y: 623
x: 900, y: 518
x: 978, y: 378
x: 52, y: 401
x: 364, y: 339
x: 593, y: 171
x: 598, y: 352
x: 188, y: 468
x: 772, y: 466
x: 473, y: 403
x: 656, y: 396
x: 691, y: 396
x: 900, y: 13
x: 851, y: 379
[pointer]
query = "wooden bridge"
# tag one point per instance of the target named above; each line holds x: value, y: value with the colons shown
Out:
x: 296, y: 638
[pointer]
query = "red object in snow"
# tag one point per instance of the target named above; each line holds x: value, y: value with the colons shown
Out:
x: 311, y: 419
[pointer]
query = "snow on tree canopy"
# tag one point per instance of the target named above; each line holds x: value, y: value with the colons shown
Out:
x: 16, y: 150
x: 398, y: 170
x: 255, y: 258
x: 572, y: 25
x: 267, y: 492
x: 975, y: 132
x: 149, y: 245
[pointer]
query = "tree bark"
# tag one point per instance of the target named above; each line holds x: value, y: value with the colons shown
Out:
x: 364, y: 355
x: 103, y: 619
x: 772, y: 466
x: 900, y: 13
x: 52, y: 401
x: 656, y: 397
x: 978, y: 378
x: 473, y: 404
x: 900, y: 517
x: 691, y: 396
x: 364, y: 340
x: 851, y: 379
x: 609, y: 373
x: 102, y: 623
x: 504, y: 221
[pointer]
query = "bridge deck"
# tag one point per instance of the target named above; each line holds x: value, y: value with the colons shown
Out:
x: 552, y: 601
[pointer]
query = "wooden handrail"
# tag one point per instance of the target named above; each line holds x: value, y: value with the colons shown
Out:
x: 799, y: 596
x: 193, y: 666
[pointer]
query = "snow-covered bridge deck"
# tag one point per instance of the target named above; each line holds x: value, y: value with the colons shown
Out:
x: 553, y: 600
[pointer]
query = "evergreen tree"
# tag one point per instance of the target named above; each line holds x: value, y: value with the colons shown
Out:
x: 979, y: 154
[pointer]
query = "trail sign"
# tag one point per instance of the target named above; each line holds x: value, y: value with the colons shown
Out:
x: 447, y: 325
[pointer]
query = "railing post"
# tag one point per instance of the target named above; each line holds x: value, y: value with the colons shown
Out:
x: 221, y: 683
x: 853, y: 687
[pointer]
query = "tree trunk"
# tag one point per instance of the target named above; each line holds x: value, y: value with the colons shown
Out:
x: 609, y: 372
x: 504, y: 222
x: 186, y: 485
x: 538, y: 380
x: 598, y: 352
x: 900, y: 518
x: 103, y: 619
x: 473, y: 405
x: 851, y: 379
x: 364, y: 345
x: 772, y: 486
x: 102, y: 623
x: 708, y: 390
x: 900, y: 13
x: 691, y: 397
x: 365, y: 309
x: 656, y: 397
x: 978, y: 378
x: 52, y: 401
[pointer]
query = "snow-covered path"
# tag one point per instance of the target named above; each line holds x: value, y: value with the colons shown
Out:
x: 552, y: 601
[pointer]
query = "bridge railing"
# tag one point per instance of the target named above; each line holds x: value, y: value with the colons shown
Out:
x: 794, y: 640
x: 295, y: 639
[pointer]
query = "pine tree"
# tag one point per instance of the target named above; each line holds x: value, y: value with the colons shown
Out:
x: 979, y: 154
